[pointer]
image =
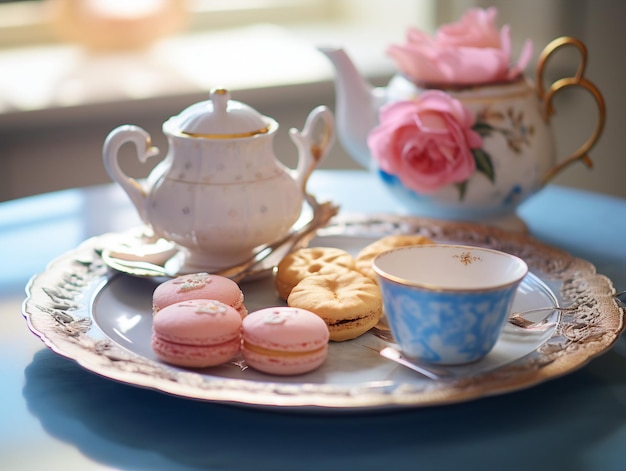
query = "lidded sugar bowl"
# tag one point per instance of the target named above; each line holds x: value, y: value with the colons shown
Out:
x: 220, y: 192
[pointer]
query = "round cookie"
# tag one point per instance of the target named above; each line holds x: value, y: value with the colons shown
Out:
x: 196, y: 333
x: 348, y: 302
x: 199, y: 286
x: 364, y: 258
x: 284, y: 341
x: 310, y: 261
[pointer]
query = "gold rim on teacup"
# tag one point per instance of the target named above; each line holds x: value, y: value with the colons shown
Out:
x: 465, y: 257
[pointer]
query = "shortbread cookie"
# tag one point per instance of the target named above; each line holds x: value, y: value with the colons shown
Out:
x: 365, y: 257
x: 310, y: 261
x: 349, y: 303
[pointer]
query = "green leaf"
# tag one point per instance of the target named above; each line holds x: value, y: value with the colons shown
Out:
x: 484, y: 164
x: 462, y: 187
x: 482, y: 128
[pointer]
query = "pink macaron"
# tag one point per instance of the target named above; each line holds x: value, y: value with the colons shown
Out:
x: 284, y: 340
x: 199, y: 286
x: 197, y: 333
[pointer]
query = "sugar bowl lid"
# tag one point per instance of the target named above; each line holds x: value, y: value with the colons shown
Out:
x: 221, y: 118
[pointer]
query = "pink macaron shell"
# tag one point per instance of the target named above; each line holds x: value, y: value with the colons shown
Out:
x: 283, y: 365
x: 292, y: 341
x: 198, y: 332
x: 199, y: 286
x: 197, y: 322
x: 195, y: 356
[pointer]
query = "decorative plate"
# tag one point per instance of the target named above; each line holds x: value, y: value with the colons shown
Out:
x: 102, y: 319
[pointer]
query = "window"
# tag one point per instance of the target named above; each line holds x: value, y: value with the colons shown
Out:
x: 44, y: 71
x: 28, y: 22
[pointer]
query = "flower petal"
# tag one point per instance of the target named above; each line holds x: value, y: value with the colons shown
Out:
x: 469, y: 51
x: 522, y: 62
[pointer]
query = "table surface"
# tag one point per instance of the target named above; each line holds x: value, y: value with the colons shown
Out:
x: 54, y: 412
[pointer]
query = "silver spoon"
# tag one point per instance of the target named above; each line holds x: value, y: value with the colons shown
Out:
x: 430, y: 371
x: 517, y: 319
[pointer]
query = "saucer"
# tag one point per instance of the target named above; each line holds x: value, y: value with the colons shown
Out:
x: 139, y: 252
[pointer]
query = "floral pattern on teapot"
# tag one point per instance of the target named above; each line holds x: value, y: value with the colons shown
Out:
x: 483, y: 150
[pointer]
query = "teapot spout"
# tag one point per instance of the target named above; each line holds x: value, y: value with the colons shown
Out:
x: 356, y: 103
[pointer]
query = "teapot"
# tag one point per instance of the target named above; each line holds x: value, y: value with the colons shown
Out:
x: 220, y: 192
x: 520, y: 145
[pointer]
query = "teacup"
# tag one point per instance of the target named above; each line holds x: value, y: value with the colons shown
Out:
x: 447, y: 304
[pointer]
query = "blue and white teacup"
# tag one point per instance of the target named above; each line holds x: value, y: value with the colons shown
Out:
x: 447, y: 304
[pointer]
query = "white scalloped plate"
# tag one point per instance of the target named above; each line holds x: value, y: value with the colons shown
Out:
x: 102, y: 320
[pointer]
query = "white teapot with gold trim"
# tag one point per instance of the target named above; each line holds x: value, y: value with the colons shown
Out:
x: 518, y: 154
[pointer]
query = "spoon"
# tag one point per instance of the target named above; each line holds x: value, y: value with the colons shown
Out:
x: 517, y: 319
x: 430, y: 371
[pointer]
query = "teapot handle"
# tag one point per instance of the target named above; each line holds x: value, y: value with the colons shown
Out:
x: 143, y: 145
x: 577, y: 80
x: 313, y: 142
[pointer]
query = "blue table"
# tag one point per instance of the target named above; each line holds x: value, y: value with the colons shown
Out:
x: 54, y: 414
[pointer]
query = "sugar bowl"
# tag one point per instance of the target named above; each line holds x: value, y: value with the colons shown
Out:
x: 220, y: 192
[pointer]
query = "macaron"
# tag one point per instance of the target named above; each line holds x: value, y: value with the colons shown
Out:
x: 284, y: 341
x: 197, y: 333
x: 199, y: 286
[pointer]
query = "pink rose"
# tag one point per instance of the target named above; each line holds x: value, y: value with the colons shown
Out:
x: 471, y: 51
x: 426, y: 142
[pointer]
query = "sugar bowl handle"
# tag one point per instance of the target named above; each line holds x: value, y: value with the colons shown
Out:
x: 579, y: 80
x: 144, y: 148
x: 313, y: 142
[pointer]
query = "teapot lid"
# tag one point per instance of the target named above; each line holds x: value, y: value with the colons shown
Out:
x: 221, y: 118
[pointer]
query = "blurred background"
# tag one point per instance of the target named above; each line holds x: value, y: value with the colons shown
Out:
x: 72, y: 70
